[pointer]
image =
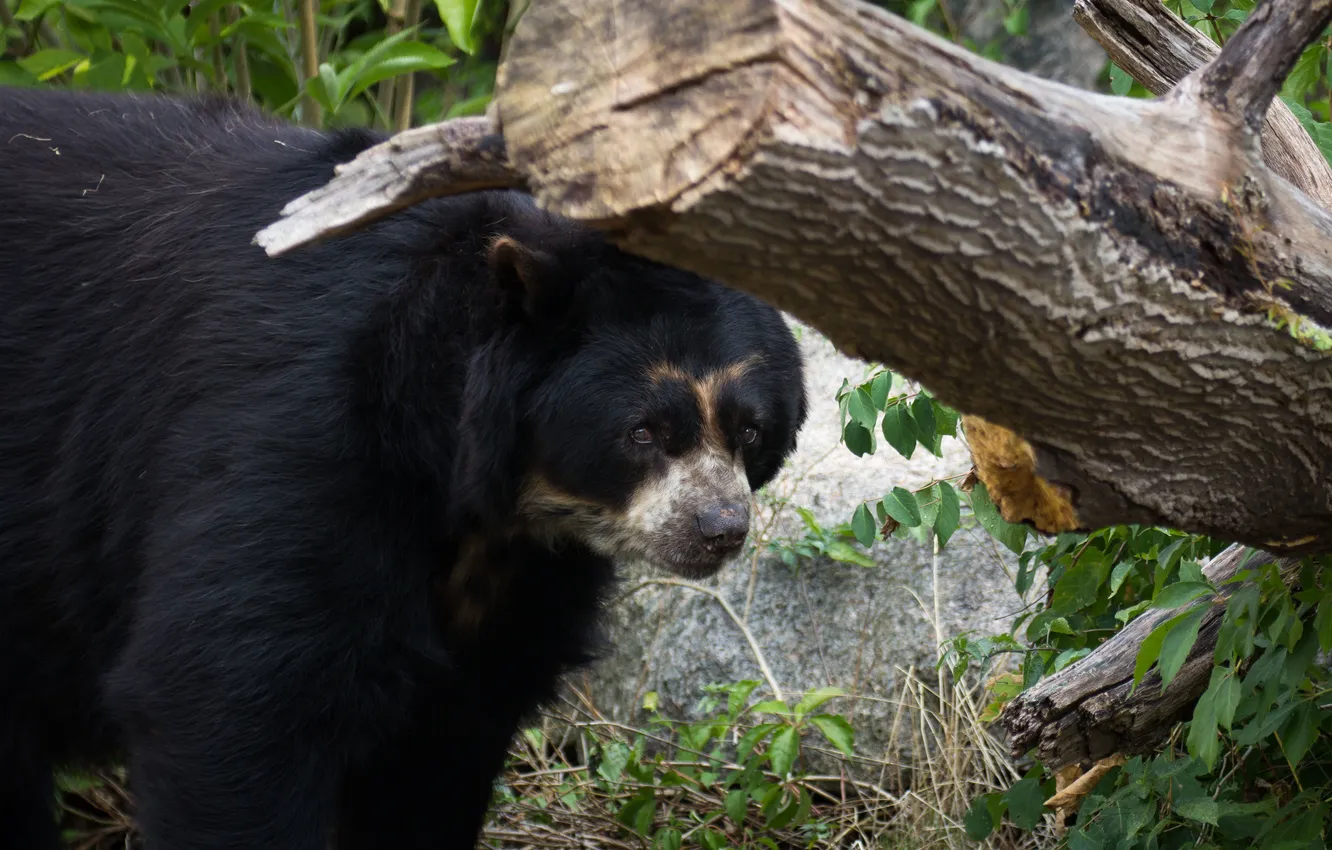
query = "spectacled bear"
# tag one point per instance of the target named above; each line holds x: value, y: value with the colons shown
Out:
x: 304, y: 539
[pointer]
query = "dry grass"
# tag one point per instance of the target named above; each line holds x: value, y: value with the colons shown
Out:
x: 917, y: 802
x: 554, y: 802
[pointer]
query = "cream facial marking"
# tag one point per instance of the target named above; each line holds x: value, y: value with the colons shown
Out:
x: 688, y: 518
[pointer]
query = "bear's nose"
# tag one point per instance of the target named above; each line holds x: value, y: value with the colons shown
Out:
x: 724, y: 526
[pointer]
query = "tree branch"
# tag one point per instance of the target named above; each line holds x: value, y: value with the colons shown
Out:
x: 1254, y: 64
x: 1106, y: 277
x: 1158, y: 49
x: 1089, y: 710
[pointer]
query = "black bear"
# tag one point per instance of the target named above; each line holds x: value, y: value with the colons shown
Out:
x: 304, y: 539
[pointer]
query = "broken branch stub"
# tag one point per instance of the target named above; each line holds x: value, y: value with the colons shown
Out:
x: 1255, y: 62
x: 1099, y: 275
x: 1158, y: 49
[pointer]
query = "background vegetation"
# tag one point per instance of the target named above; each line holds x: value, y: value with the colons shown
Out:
x: 1250, y: 768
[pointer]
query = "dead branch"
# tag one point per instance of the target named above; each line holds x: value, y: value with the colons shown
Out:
x: 456, y: 156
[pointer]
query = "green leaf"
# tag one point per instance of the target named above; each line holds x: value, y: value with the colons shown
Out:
x: 1299, y: 733
x: 1015, y: 22
x: 771, y: 706
x: 864, y: 526
x: 1177, y: 644
x: 1306, y: 73
x: 30, y: 10
x: 880, y: 387
x: 922, y: 413
x: 783, y: 749
x: 12, y: 74
x: 1202, y: 809
x: 861, y: 407
x: 945, y: 419
x: 1025, y: 803
x: 750, y: 739
x: 950, y: 513
x: 323, y: 87
x: 843, y: 552
x: 901, y: 505
x: 406, y: 57
x: 712, y: 840
x: 1226, y: 694
x: 1078, y: 586
x: 899, y: 429
x: 816, y: 698
x: 737, y: 803
x: 1150, y: 649
x: 45, y: 64
x: 458, y: 17
x: 858, y: 440
x: 1120, y: 82
x: 667, y: 838
x: 1203, y: 742
x: 1180, y: 593
x: 1012, y: 535
x: 1120, y: 572
x: 837, y: 730
x: 469, y: 106
x: 738, y: 695
x: 1323, y: 625
x: 978, y: 822
x: 614, y: 756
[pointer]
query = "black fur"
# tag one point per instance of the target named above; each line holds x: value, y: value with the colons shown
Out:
x: 234, y: 490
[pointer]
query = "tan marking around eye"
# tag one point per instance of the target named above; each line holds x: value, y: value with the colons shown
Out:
x: 707, y: 389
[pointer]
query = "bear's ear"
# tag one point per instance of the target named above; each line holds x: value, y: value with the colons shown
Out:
x: 523, y: 275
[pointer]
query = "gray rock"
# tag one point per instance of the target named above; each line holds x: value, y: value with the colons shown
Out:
x: 1055, y: 47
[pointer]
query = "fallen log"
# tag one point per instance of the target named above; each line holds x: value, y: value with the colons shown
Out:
x: 1115, y: 280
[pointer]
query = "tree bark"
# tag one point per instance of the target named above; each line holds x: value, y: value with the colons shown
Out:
x: 1100, y: 275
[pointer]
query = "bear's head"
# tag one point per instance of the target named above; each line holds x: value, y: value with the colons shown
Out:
x: 624, y: 405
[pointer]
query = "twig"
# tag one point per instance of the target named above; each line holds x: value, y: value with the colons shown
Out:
x: 404, y: 88
x: 219, y: 58
x: 396, y: 12
x: 310, y: 112
x: 240, y: 57
x: 740, y: 624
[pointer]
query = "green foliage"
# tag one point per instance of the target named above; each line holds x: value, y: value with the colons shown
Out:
x: 910, y: 418
x: 742, y: 765
x: 255, y: 51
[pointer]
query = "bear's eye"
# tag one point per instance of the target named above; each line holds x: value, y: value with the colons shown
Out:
x: 641, y: 434
x: 749, y: 435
